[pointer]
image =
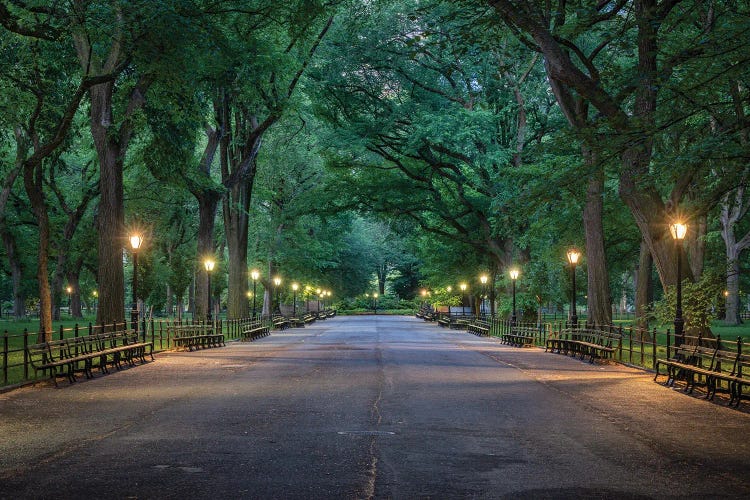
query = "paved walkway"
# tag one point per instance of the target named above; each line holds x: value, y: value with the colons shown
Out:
x: 370, y: 407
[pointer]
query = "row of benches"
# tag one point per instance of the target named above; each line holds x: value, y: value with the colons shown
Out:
x: 584, y: 342
x: 713, y: 364
x: 198, y: 336
x: 67, y: 356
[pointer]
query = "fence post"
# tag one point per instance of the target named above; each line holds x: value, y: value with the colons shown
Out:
x: 62, y: 333
x: 26, y: 352
x: 668, y: 343
x: 653, y: 350
x: 5, y: 358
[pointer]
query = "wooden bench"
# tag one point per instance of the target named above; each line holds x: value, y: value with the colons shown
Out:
x: 191, y: 337
x: 254, y: 330
x: 444, y: 321
x: 280, y: 322
x: 713, y: 364
x: 65, y: 357
x: 308, y: 318
x: 479, y: 327
x: 583, y: 342
x: 520, y: 336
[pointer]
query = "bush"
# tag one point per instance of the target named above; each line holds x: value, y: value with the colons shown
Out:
x: 698, y: 303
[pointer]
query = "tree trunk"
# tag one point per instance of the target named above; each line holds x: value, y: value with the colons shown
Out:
x: 208, y: 203
x: 110, y: 219
x: 643, y: 287
x: 696, y: 244
x: 75, y: 297
x: 16, y: 272
x: 236, y: 217
x: 168, y: 302
x: 599, y: 295
x: 733, y: 291
x: 33, y: 182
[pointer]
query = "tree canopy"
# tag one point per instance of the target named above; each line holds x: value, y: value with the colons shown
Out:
x: 387, y: 146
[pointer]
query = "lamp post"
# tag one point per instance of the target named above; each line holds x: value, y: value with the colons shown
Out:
x: 254, y: 274
x: 573, y: 256
x: 463, y: 287
x: 135, y: 243
x: 209, y: 264
x: 318, y: 291
x: 295, y: 287
x: 513, y: 278
x: 96, y: 297
x: 678, y: 231
x: 483, y: 278
x: 277, y: 283
x: 69, y: 290
x: 375, y: 297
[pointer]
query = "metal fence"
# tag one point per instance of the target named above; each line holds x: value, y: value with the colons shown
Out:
x: 16, y: 368
x: 638, y: 347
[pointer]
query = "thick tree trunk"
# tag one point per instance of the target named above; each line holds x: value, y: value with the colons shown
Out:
x: 75, y: 297
x: 733, y: 291
x: 208, y: 203
x: 598, y: 290
x: 643, y: 287
x: 33, y: 182
x: 110, y: 218
x: 236, y: 217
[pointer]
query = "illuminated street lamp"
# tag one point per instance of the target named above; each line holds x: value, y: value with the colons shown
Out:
x: 254, y: 274
x: 136, y: 240
x: 277, y: 283
x: 573, y: 256
x: 295, y: 287
x: 678, y: 231
x: 483, y: 279
x: 513, y: 278
x: 318, y: 291
x: 69, y: 289
x: 375, y: 297
x: 209, y: 264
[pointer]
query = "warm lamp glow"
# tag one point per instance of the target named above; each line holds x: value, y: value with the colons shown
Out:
x: 277, y: 281
x: 573, y: 256
x: 483, y: 279
x: 135, y: 241
x: 462, y: 286
x: 726, y: 293
x: 249, y: 294
x: 450, y: 289
x: 514, y: 274
x: 295, y: 286
x: 254, y: 274
x: 95, y: 293
x: 424, y: 293
x: 209, y: 265
x: 678, y: 230
x: 375, y: 295
x: 70, y: 289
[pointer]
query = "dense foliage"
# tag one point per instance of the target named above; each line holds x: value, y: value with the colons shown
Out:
x: 372, y: 147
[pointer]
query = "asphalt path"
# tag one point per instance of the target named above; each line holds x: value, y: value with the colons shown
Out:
x: 370, y: 407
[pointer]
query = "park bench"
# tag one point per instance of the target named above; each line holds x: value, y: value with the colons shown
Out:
x: 479, y: 327
x: 198, y: 336
x: 255, y: 330
x: 520, y: 336
x: 280, y: 322
x: 444, y: 320
x: 584, y: 342
x: 308, y: 318
x: 320, y: 315
x: 715, y: 365
x: 424, y: 312
x: 65, y: 357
